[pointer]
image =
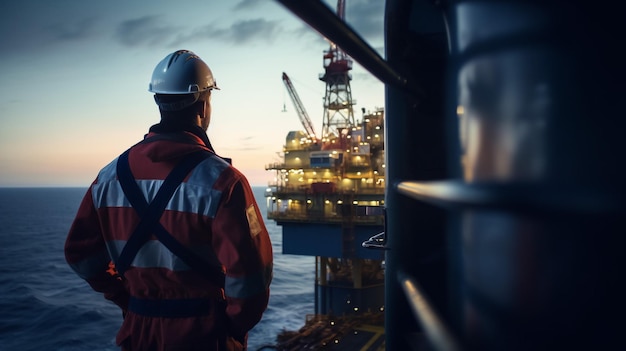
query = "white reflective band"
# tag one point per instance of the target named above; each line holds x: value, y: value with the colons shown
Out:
x: 152, y: 254
x: 194, y: 196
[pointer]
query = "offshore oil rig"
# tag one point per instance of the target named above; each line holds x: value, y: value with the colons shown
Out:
x: 328, y: 195
x: 505, y: 197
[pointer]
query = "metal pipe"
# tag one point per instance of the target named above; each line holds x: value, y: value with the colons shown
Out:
x: 436, y: 332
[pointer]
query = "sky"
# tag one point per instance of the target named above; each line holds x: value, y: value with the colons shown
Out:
x: 74, y: 79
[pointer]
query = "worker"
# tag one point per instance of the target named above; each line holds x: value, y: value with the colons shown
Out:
x: 171, y: 233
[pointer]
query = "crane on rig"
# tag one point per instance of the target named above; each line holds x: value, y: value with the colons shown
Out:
x: 304, y: 116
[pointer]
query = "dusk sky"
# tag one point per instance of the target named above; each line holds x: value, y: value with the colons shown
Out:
x: 75, y: 76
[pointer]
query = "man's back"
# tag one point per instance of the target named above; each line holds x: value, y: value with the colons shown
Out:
x: 212, y: 214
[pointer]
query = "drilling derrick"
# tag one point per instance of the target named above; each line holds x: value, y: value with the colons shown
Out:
x: 338, y: 103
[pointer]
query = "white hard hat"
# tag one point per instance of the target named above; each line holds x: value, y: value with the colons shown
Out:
x: 182, y: 72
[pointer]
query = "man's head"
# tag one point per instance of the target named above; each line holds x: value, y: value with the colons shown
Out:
x: 182, y: 84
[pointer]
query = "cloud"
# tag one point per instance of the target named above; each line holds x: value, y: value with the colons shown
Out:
x: 153, y: 31
x: 246, y: 4
x: 145, y: 31
x: 72, y: 30
x: 34, y: 25
x: 245, y: 31
x: 240, y: 32
x: 367, y: 18
x: 46, y: 35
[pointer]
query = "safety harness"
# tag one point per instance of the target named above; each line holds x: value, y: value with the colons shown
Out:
x: 150, y: 214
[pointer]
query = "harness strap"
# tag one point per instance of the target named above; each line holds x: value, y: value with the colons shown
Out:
x: 179, y: 308
x: 150, y: 214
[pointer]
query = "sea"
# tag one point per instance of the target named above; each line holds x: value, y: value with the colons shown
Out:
x: 44, y: 305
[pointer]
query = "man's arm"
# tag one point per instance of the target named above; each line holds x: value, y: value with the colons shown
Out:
x: 243, y: 246
x: 86, y: 253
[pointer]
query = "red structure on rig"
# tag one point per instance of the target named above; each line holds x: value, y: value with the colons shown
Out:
x: 338, y: 103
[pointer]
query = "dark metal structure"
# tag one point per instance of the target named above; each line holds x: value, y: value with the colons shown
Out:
x: 505, y: 202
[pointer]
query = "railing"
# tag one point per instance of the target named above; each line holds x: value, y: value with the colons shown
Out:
x: 366, y: 190
x: 275, y: 165
x: 301, y: 216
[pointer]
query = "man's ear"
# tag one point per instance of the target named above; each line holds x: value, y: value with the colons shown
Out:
x: 200, y: 106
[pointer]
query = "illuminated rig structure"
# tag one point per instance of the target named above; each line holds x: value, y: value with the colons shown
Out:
x: 328, y: 194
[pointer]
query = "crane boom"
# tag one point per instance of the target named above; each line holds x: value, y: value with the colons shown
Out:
x: 304, y: 117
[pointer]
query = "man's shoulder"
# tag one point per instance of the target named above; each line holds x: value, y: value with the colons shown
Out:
x: 211, y: 171
x: 108, y: 172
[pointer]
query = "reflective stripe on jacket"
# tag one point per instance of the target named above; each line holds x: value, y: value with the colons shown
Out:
x: 213, y: 210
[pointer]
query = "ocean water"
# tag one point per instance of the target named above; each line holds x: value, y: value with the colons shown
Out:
x: 45, y: 306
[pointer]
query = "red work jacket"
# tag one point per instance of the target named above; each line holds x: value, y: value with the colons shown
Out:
x: 213, y: 209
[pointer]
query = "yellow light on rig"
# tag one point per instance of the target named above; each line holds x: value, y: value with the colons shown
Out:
x: 340, y: 202
x: 355, y: 202
x: 308, y: 201
x: 327, y: 202
x: 460, y: 110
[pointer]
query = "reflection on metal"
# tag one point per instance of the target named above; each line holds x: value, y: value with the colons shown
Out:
x: 526, y: 197
x: 436, y: 332
x: 377, y: 242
